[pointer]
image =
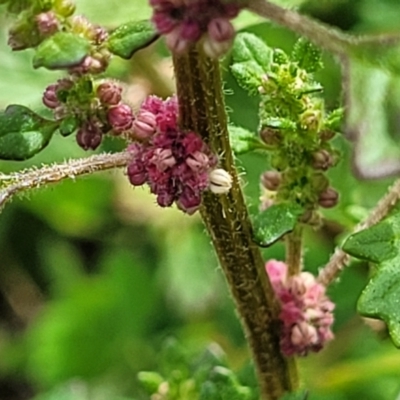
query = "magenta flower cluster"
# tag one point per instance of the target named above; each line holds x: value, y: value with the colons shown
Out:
x: 99, y: 112
x: 306, y: 311
x: 184, y: 22
x: 175, y: 164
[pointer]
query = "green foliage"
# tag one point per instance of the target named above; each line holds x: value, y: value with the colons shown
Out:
x: 23, y: 133
x: 376, y: 244
x: 97, y: 320
x: 380, y: 298
x: 243, y: 141
x: 251, y: 59
x: 277, y: 220
x: 307, y: 56
x: 131, y: 37
x: 185, y: 376
x: 61, y: 50
x: 298, y: 395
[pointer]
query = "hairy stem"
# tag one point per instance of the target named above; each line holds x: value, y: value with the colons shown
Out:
x: 20, y: 182
x: 339, y: 258
x: 202, y: 110
x: 322, y: 35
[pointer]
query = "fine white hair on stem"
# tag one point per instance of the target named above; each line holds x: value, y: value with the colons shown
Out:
x: 19, y: 182
x: 339, y: 258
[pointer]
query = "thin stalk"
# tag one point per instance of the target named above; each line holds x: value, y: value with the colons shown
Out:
x: 202, y: 110
x: 294, y: 251
x: 322, y: 35
x: 19, y: 182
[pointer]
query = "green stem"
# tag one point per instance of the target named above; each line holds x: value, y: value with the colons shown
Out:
x: 294, y: 250
x: 202, y: 110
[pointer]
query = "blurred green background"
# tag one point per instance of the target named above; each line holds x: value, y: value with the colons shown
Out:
x: 94, y: 276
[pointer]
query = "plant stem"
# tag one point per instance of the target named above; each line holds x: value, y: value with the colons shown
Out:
x: 322, y: 35
x: 294, y: 250
x: 19, y: 182
x: 202, y: 110
x: 325, y: 36
x: 339, y: 258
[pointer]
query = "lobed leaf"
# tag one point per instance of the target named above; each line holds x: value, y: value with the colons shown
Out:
x: 380, y: 298
x: 376, y: 244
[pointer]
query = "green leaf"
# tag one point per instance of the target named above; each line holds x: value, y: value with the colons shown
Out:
x: 23, y: 133
x: 248, y: 75
x: 243, y: 141
x: 376, y: 244
x: 307, y: 56
x: 61, y: 50
x: 380, y: 298
x: 248, y: 47
x: 131, y: 37
x: 68, y: 125
x: 274, y: 222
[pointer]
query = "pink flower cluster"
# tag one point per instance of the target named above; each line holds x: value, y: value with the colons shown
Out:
x: 306, y: 311
x: 184, y: 22
x: 175, y: 164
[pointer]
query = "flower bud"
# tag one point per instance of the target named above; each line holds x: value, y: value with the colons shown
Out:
x: 175, y: 42
x: 311, y: 119
x: 136, y: 174
x: 271, y: 180
x: 220, y: 181
x: 326, y: 135
x: 271, y: 136
x: 64, y: 7
x: 220, y: 30
x: 328, y: 198
x: 322, y: 160
x: 144, y: 125
x: 198, y: 161
x: 89, y: 136
x: 120, y: 117
x: 47, y: 23
x: 189, y: 201
x: 214, y: 49
x: 109, y: 93
x: 49, y: 98
x: 190, y: 30
x: 163, y: 159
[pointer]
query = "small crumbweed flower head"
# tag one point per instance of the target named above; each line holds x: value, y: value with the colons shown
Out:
x: 177, y: 166
x: 306, y: 311
x: 185, y: 22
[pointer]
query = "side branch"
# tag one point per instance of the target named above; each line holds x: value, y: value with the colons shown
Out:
x: 19, y: 182
x: 339, y: 258
x: 325, y: 36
